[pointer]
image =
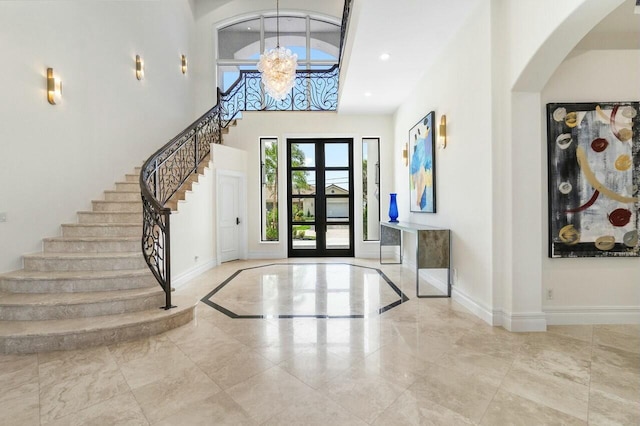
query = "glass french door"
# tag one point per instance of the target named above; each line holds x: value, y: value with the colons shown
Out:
x: 320, y: 197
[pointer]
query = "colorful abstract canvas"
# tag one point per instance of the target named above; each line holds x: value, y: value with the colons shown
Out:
x: 422, y: 166
x: 594, y: 179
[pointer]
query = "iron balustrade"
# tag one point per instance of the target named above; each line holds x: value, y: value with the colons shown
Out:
x: 164, y: 173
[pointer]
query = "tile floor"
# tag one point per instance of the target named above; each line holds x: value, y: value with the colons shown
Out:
x: 426, y: 361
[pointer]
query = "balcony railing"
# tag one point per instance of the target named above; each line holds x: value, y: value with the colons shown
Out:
x: 169, y: 168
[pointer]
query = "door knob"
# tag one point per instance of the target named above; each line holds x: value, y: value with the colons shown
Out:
x: 237, y: 221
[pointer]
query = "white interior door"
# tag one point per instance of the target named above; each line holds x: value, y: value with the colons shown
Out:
x: 228, y: 211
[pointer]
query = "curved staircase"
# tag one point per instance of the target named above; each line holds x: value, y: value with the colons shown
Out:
x: 91, y: 286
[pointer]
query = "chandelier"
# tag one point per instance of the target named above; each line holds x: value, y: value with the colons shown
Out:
x: 278, y: 66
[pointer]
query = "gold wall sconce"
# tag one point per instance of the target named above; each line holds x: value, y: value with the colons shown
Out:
x: 54, y: 88
x: 405, y: 154
x: 442, y: 131
x: 183, y: 62
x: 139, y: 68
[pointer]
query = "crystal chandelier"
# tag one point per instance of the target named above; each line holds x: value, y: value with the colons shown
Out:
x: 278, y: 66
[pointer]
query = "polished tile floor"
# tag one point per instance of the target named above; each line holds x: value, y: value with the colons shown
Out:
x: 302, y: 290
x: 426, y: 361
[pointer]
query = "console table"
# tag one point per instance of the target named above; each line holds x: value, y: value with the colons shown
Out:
x: 433, y: 248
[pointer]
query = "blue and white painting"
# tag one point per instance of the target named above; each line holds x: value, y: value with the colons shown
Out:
x: 422, y: 169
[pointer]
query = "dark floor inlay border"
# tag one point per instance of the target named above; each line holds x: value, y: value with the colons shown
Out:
x: 207, y: 299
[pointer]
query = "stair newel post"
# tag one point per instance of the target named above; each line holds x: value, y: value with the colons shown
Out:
x: 167, y: 260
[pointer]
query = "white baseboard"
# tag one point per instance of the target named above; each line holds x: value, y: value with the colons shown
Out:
x: 524, y: 321
x: 368, y: 251
x: 273, y: 254
x: 587, y: 315
x: 180, y: 280
x: 434, y: 280
x: 478, y: 309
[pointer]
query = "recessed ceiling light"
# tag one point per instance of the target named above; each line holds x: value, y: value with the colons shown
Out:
x: 367, y: 94
x: 385, y: 57
x: 248, y: 28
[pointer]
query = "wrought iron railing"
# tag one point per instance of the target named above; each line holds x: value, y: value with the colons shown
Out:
x: 169, y: 168
x: 346, y: 13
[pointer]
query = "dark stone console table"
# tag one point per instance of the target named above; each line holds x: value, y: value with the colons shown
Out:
x: 433, y: 248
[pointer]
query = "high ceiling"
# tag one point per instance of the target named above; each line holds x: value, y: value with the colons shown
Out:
x: 413, y: 34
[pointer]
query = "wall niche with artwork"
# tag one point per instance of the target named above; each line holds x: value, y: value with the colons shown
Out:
x: 593, y: 154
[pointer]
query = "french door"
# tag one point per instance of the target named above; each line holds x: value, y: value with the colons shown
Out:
x: 320, y: 197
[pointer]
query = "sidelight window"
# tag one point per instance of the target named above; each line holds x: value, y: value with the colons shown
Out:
x: 269, y: 189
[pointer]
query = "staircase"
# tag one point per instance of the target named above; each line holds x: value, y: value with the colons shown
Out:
x: 91, y: 286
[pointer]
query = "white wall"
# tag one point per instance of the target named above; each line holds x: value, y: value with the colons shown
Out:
x: 586, y: 289
x: 283, y: 125
x: 459, y: 85
x: 193, y: 225
x: 55, y: 159
x: 192, y: 230
x: 520, y: 160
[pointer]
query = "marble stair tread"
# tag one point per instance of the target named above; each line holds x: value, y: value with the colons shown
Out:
x: 102, y: 225
x: 110, y: 191
x: 91, y: 239
x: 75, y: 275
x: 75, y: 325
x: 82, y: 256
x: 115, y: 206
x: 110, y: 217
x: 120, y: 201
x: 74, y: 333
x: 23, y: 281
x: 129, y: 195
x: 127, y: 186
x: 83, y: 244
x: 70, y: 299
x: 113, y: 212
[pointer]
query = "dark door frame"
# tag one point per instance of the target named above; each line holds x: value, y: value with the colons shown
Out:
x: 320, y: 216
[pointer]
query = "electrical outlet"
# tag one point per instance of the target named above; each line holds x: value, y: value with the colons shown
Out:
x: 549, y: 294
x: 3, y: 216
x: 195, y: 258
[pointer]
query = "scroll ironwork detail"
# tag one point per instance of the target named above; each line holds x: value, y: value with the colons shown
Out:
x: 164, y: 173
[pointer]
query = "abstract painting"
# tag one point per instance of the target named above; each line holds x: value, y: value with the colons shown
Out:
x: 594, y: 179
x: 422, y: 166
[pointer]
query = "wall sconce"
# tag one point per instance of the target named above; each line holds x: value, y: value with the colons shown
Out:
x: 183, y: 61
x: 405, y: 154
x: 139, y: 67
x: 54, y: 88
x: 442, y: 131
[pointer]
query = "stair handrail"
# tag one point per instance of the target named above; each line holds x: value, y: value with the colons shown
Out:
x: 169, y: 167
x: 314, y: 90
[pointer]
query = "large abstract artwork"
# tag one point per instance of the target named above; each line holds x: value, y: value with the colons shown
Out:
x: 422, y: 169
x: 594, y: 179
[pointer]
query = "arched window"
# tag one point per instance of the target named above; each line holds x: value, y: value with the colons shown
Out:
x: 316, y: 42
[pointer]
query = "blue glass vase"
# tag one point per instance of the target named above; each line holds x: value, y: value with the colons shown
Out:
x: 393, y: 209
